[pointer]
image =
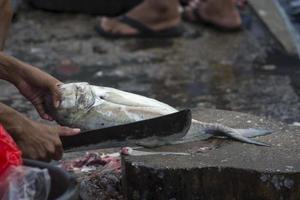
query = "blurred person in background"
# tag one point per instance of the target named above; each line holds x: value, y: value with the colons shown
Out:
x: 162, y: 18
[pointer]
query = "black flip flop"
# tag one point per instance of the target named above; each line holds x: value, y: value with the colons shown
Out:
x: 202, y: 21
x: 143, y: 30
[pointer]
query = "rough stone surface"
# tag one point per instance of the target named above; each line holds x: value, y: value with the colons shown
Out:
x: 220, y: 169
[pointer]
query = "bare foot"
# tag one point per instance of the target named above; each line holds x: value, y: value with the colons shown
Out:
x: 155, y: 14
x: 222, y: 13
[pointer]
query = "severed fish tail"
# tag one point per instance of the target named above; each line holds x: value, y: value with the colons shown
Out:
x: 205, y: 130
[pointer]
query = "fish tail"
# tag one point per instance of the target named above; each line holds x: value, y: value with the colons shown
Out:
x: 238, y: 136
x: 243, y: 135
x: 253, y: 132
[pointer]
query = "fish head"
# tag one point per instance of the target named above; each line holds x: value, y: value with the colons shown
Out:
x: 76, y: 96
x: 76, y: 100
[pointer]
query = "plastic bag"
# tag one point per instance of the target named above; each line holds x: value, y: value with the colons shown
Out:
x: 19, y: 182
x: 25, y: 183
x: 10, y: 155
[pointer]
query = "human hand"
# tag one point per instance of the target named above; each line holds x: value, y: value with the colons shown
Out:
x: 35, y: 84
x: 36, y: 140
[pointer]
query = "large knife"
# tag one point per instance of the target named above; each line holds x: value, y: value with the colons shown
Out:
x: 173, y: 126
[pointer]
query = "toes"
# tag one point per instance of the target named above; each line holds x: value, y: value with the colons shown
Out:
x: 106, y: 24
x: 113, y: 25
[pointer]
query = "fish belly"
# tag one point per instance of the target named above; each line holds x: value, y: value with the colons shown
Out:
x: 110, y: 114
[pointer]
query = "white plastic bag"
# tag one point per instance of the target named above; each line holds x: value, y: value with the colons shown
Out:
x: 26, y: 183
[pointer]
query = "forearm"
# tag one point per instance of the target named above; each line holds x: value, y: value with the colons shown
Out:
x: 11, y: 69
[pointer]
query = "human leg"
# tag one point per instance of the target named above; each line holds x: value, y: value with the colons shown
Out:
x: 221, y: 13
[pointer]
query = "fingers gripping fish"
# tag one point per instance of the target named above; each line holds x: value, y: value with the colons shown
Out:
x: 92, y: 107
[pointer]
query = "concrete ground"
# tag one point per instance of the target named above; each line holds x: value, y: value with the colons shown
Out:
x: 245, y: 71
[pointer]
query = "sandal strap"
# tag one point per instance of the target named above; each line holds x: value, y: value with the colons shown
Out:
x: 142, y: 28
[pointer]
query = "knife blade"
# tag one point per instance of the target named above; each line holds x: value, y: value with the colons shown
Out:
x: 173, y: 125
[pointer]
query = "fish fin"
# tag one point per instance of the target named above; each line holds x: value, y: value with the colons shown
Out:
x: 253, y: 132
x: 238, y: 134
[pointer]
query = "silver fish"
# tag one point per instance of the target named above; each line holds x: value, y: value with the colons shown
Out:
x: 92, y: 107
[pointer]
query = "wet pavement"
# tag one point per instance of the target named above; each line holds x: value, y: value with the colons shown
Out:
x: 245, y: 71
